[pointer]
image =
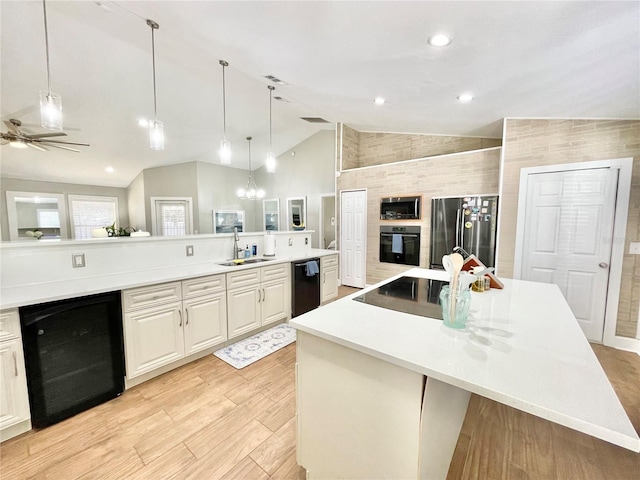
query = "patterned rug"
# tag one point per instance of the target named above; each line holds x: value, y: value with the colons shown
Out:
x: 251, y: 349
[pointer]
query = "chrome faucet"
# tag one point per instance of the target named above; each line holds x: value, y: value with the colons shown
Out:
x: 236, y: 248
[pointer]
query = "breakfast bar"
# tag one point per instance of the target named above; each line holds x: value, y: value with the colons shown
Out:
x: 382, y: 393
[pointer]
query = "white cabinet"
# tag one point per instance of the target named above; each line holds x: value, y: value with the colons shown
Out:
x: 164, y: 323
x: 14, y: 399
x: 257, y: 297
x: 329, y: 278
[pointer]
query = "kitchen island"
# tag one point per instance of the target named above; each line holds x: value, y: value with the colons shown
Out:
x: 383, y: 394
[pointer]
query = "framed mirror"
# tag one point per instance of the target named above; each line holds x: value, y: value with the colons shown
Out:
x: 33, y: 215
x: 225, y: 220
x: 296, y: 213
x: 271, y: 214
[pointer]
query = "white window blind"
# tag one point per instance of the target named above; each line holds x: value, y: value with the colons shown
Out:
x: 48, y: 218
x: 172, y: 217
x: 88, y: 213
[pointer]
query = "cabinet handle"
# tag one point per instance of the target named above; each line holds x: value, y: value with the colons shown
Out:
x: 186, y: 311
x: 15, y: 364
x: 324, y: 278
x: 264, y: 295
x: 180, y: 313
x: 259, y: 296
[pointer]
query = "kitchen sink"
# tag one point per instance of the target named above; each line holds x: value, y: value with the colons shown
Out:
x: 248, y: 261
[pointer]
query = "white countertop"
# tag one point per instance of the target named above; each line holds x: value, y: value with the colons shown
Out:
x: 522, y: 347
x: 38, y: 292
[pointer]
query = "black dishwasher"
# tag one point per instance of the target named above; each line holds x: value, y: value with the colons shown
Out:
x: 305, y: 291
x: 73, y: 354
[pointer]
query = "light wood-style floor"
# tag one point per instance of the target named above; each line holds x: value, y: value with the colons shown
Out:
x: 207, y: 420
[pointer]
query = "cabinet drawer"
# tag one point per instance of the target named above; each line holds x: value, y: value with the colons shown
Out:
x: 203, y: 285
x: 273, y: 272
x: 329, y: 261
x: 250, y: 276
x: 9, y: 324
x: 150, y: 296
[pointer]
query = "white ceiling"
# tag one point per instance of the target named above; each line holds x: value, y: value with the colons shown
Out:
x: 520, y: 59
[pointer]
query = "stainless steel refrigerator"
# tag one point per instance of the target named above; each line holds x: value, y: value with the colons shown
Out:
x: 467, y: 222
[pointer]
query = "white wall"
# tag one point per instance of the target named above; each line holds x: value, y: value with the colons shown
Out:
x: 20, y: 185
x: 310, y: 172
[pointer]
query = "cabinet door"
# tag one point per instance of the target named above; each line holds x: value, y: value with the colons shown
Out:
x: 14, y: 400
x: 243, y: 310
x: 205, y: 322
x: 329, y: 285
x: 276, y: 304
x: 153, y: 338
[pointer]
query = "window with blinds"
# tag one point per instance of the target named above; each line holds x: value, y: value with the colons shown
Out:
x: 89, y: 212
x: 172, y: 216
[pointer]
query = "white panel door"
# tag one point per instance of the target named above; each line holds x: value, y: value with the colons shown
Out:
x: 205, y: 322
x: 568, y: 237
x: 14, y: 400
x: 276, y: 302
x: 353, y: 218
x: 153, y: 337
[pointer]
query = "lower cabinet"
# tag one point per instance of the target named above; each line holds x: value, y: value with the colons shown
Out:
x: 329, y: 278
x: 164, y: 323
x: 14, y: 399
x: 258, y: 297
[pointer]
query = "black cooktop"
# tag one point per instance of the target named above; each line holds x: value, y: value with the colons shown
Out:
x: 418, y: 296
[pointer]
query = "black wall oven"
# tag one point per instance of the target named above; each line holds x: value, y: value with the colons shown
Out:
x: 400, y: 244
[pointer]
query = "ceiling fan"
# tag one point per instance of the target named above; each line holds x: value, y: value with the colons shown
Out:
x: 19, y: 139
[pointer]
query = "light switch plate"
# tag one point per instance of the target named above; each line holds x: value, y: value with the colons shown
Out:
x: 77, y: 260
x: 634, y: 248
x: 189, y: 250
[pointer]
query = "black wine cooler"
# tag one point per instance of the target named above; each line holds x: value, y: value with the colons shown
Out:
x: 73, y: 354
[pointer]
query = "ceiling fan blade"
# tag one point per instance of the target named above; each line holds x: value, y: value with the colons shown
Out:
x: 37, y: 147
x: 12, y: 128
x: 46, y: 135
x: 59, y: 141
x: 36, y: 126
x: 63, y: 148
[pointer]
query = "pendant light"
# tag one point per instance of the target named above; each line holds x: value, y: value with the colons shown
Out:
x: 225, y: 146
x: 156, y: 127
x: 270, y: 164
x: 50, y: 102
x: 251, y: 191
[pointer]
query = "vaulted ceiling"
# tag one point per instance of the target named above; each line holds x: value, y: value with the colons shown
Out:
x: 519, y: 59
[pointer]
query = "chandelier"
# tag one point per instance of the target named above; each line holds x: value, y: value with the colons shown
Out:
x: 251, y: 191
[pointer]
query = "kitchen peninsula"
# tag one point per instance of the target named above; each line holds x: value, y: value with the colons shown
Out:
x: 383, y: 394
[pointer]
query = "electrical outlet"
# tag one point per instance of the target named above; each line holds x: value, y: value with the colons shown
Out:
x: 77, y: 260
x: 291, y: 242
x: 189, y: 250
x: 634, y: 248
x: 306, y: 240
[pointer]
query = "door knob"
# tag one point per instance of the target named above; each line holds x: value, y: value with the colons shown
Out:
x: 603, y: 265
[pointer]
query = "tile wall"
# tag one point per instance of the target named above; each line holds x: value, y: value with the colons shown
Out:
x: 362, y: 149
x: 533, y: 142
x: 446, y: 175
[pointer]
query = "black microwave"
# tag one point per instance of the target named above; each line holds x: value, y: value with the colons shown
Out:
x: 400, y: 208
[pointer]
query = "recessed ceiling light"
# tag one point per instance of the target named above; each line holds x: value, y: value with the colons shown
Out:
x: 465, y: 97
x: 109, y: 170
x: 143, y: 122
x: 439, y: 40
x: 379, y: 101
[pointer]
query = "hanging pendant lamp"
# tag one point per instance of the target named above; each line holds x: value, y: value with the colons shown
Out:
x: 156, y: 127
x: 270, y: 163
x: 225, y: 146
x: 50, y: 102
x: 251, y: 191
